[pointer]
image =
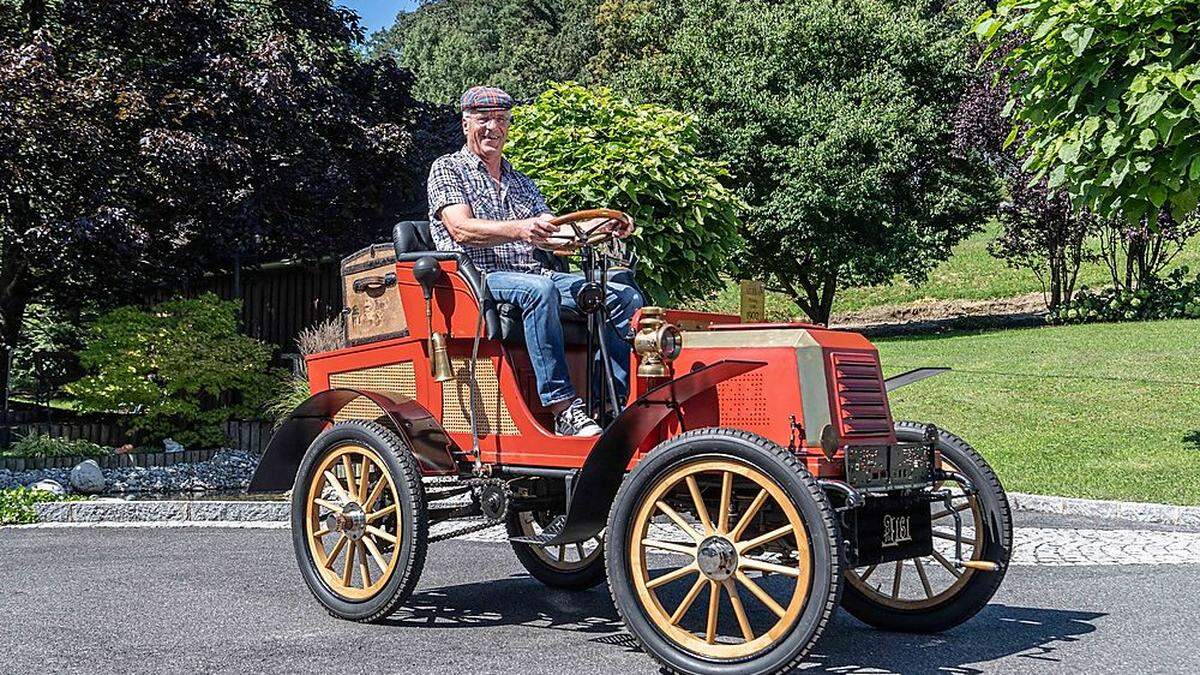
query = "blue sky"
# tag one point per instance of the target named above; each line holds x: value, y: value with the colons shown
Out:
x: 377, y: 14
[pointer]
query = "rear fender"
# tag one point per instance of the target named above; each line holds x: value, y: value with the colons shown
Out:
x: 432, y: 448
x: 604, y: 468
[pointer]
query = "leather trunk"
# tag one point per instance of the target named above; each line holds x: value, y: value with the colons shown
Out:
x: 370, y: 296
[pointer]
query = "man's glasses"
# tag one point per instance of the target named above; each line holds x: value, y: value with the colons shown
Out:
x: 498, y: 120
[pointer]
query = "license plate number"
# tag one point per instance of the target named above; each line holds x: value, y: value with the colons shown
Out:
x: 897, y: 529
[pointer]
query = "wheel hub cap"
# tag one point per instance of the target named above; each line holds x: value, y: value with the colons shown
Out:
x: 352, y: 521
x: 717, y: 558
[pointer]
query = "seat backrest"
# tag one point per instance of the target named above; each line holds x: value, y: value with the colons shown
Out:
x: 412, y: 236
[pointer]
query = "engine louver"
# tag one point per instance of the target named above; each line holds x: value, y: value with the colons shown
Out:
x: 861, y: 399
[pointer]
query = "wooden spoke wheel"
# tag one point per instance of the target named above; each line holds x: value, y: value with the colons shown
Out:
x: 577, y: 566
x: 727, y: 558
x: 933, y: 593
x: 352, y: 526
x: 358, y: 520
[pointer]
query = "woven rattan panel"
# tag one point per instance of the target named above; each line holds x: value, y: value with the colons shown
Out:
x: 397, y: 377
x: 456, y: 411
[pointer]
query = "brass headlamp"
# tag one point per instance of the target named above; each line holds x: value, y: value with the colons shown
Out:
x: 657, y: 343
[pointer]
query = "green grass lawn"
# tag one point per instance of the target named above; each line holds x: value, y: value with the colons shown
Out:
x: 970, y: 274
x: 1103, y: 411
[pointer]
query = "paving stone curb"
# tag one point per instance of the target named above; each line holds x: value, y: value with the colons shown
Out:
x: 244, y: 511
x: 158, y: 511
x: 1139, y: 512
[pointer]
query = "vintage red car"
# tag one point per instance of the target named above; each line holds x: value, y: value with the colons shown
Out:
x: 753, y: 481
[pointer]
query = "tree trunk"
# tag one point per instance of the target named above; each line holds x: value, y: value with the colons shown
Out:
x: 825, y: 308
x: 1057, y: 266
x: 14, y: 297
x: 1133, y: 258
x: 816, y: 301
x: 35, y: 15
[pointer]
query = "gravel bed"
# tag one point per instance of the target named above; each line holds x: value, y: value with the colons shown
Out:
x: 227, y: 470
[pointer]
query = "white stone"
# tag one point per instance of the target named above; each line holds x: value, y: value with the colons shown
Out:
x: 172, y: 445
x: 87, y: 477
x: 51, y: 486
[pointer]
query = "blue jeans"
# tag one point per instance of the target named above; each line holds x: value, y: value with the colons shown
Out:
x: 540, y: 297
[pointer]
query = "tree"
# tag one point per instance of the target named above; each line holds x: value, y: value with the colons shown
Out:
x: 519, y: 45
x: 1102, y: 99
x: 1137, y: 254
x: 587, y: 148
x: 150, y: 142
x: 835, y: 121
x: 1040, y: 229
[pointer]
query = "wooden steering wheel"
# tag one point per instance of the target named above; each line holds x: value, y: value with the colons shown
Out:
x: 575, y: 231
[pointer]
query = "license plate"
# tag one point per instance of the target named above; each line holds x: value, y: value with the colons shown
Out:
x: 887, y: 529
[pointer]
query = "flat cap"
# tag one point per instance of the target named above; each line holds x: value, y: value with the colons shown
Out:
x: 485, y: 98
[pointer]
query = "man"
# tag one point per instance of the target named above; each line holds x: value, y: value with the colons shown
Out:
x: 481, y: 206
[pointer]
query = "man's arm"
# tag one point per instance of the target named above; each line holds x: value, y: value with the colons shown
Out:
x: 466, y: 229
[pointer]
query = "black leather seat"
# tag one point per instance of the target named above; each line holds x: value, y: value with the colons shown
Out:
x: 503, y: 320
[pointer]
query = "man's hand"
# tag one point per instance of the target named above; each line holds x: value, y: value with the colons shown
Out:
x: 535, y: 230
x: 624, y: 229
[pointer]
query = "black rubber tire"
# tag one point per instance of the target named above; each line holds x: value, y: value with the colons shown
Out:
x: 588, y: 576
x: 786, y: 470
x: 997, y: 547
x: 405, y: 474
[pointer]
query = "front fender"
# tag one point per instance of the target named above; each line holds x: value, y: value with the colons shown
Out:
x: 604, y: 468
x: 426, y: 439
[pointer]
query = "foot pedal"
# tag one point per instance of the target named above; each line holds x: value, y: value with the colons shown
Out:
x: 550, y: 532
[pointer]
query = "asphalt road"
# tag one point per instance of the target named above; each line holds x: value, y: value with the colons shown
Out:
x: 191, y: 600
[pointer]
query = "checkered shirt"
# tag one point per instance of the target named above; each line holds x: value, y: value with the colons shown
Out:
x: 462, y: 178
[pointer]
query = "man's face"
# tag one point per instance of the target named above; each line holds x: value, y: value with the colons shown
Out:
x: 486, y: 131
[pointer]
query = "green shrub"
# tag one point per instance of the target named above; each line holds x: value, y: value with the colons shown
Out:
x: 41, y: 445
x: 1175, y: 297
x: 181, y: 366
x: 588, y: 148
x: 16, y: 504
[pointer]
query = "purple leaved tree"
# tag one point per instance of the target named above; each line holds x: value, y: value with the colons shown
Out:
x: 144, y: 143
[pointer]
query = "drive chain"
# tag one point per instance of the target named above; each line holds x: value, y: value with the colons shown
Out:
x: 470, y: 529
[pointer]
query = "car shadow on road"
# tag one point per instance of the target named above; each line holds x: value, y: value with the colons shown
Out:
x: 517, y: 600
x: 847, y: 646
x: 999, y: 631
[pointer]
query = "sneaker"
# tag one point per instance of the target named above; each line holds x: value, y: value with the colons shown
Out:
x: 574, y: 421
